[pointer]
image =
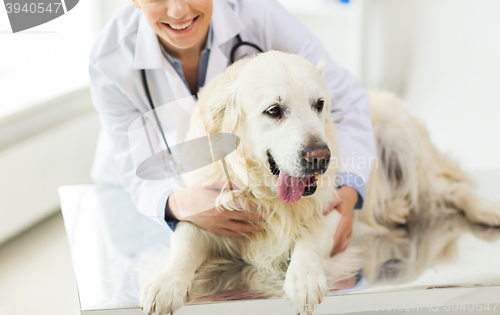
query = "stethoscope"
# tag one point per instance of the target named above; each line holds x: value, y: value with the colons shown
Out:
x: 239, y: 44
x: 232, y: 55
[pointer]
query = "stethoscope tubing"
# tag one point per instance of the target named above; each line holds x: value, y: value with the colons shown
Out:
x: 239, y: 44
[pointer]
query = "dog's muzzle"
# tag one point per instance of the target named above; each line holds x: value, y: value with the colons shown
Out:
x: 310, y: 181
x: 316, y: 160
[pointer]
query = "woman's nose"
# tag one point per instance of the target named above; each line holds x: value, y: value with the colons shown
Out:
x: 178, y: 9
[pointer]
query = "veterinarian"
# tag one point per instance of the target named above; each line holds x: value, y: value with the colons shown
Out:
x: 181, y: 45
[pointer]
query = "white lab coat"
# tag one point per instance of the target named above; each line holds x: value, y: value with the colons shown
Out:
x: 128, y: 44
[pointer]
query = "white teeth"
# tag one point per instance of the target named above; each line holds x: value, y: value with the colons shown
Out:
x: 182, y: 26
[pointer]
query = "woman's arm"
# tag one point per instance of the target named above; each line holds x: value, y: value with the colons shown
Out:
x: 117, y: 113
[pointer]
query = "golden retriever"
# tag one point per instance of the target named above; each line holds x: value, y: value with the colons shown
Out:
x: 279, y: 107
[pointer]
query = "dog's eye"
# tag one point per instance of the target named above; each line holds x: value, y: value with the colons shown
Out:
x: 320, y: 104
x: 274, y: 111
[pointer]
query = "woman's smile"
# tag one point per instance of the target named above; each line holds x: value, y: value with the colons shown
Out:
x: 181, y: 27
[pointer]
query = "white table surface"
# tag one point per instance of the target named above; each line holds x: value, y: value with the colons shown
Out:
x: 444, y: 262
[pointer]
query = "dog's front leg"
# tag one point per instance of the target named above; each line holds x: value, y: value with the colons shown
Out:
x: 170, y: 290
x: 306, y: 282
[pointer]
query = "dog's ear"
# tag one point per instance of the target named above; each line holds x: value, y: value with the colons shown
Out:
x: 220, y: 94
x: 222, y: 114
x: 321, y: 66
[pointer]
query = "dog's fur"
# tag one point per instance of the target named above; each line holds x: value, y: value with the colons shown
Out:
x: 401, y: 255
x: 411, y: 179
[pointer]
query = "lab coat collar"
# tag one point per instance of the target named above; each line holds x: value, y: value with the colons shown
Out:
x: 226, y: 25
x: 147, y: 54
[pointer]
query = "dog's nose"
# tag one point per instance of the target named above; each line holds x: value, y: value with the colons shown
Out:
x: 317, y: 159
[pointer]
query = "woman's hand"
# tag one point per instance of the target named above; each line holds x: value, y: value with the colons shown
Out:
x: 348, y: 197
x: 198, y: 207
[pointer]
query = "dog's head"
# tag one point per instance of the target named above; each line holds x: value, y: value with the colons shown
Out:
x: 278, y: 105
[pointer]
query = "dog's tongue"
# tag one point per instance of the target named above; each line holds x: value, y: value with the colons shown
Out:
x: 290, y: 189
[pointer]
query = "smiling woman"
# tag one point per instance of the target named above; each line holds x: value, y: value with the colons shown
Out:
x: 182, y: 28
x: 180, y: 25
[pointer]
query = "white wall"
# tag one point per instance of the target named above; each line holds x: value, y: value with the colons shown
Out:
x: 387, y: 34
x: 46, y: 140
x: 106, y: 9
x: 454, y: 77
x: 444, y: 57
x: 336, y: 24
x: 33, y: 169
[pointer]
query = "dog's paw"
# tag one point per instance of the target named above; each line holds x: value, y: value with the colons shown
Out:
x: 165, y: 294
x: 305, y: 285
x: 398, y: 211
x: 485, y: 212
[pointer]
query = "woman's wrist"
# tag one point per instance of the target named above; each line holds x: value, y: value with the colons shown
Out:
x: 350, y: 195
x: 170, y: 209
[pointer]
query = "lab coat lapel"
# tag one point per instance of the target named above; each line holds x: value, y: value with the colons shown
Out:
x: 147, y: 53
x: 217, y: 62
x: 226, y: 26
x: 164, y: 81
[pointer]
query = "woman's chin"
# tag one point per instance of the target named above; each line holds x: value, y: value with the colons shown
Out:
x: 180, y: 43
